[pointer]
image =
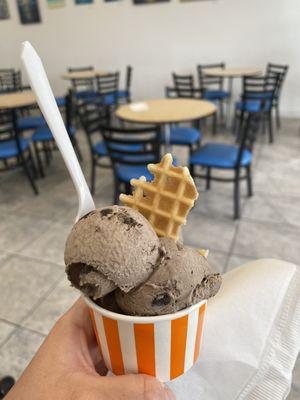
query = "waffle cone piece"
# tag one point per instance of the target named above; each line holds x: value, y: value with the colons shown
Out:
x: 165, y: 201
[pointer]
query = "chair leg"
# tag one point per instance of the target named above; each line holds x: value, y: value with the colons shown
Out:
x: 28, y: 174
x: 128, y: 188
x: 93, y: 176
x: 208, y: 178
x: 116, y: 191
x: 32, y: 164
x: 77, y: 149
x: 270, y: 126
x: 236, y: 197
x: 222, y: 111
x: 277, y: 113
x: 39, y: 160
x: 214, y: 124
x: 249, y: 181
x: 192, y: 170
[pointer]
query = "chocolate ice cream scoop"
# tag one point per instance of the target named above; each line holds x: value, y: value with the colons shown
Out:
x: 182, y: 278
x: 109, y: 248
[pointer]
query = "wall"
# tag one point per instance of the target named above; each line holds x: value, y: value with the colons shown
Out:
x: 159, y: 38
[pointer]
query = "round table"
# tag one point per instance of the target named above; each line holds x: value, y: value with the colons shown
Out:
x: 17, y: 100
x: 166, y: 112
x: 231, y: 73
x: 83, y: 75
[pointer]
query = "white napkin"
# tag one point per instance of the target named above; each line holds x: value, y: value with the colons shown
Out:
x: 251, y: 338
x: 138, y: 107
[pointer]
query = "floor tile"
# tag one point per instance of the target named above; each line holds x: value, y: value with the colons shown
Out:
x: 52, y: 307
x: 24, y: 282
x: 264, y: 208
x: 236, y: 261
x: 17, y: 352
x: 5, y: 330
x: 50, y: 245
x: 217, y: 260
x: 207, y: 232
x: 17, y: 231
x: 259, y: 240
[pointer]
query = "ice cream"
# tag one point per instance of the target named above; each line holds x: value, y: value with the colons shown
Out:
x: 129, y: 259
x: 182, y: 278
x: 109, y: 248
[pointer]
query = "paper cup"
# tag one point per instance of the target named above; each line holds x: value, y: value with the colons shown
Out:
x: 163, y: 346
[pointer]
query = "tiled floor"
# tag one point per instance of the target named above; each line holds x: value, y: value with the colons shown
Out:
x: 33, y: 231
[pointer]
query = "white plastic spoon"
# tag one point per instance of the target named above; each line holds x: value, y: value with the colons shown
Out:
x: 46, y: 101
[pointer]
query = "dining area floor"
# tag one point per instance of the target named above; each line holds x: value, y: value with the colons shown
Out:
x: 34, y: 291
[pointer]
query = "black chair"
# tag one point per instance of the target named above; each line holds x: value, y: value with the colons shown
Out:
x: 108, y: 88
x: 212, y: 88
x: 10, y: 80
x: 131, y: 150
x: 84, y: 89
x: 15, y: 150
x: 281, y: 71
x: 44, y: 142
x: 126, y: 93
x: 184, y: 87
x: 91, y: 116
x: 257, y: 98
x: 234, y: 158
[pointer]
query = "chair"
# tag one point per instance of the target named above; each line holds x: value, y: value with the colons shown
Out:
x: 91, y: 115
x: 83, y: 88
x: 184, y: 135
x: 126, y: 93
x: 15, y: 150
x: 10, y: 80
x: 212, y: 88
x: 43, y: 140
x: 257, y: 98
x: 223, y: 156
x: 281, y: 71
x: 130, y: 151
x: 183, y: 87
x: 108, y: 88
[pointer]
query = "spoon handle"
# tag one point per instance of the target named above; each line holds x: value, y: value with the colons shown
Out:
x: 46, y: 101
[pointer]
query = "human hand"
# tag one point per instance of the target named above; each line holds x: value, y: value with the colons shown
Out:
x: 68, y: 367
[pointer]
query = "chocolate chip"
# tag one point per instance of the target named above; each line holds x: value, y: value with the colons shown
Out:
x: 161, y: 300
x: 106, y: 211
x: 127, y: 220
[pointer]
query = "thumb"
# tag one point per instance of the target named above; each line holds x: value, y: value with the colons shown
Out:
x: 133, y: 387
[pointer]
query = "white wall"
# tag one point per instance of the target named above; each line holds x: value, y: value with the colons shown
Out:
x: 159, y: 38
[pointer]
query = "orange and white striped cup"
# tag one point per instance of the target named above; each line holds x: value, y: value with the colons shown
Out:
x: 163, y: 346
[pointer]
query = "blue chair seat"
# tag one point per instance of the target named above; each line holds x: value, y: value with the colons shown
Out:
x: 122, y: 94
x: 28, y: 123
x: 252, y: 106
x: 44, y: 134
x: 126, y: 172
x: 9, y: 149
x: 215, y: 94
x: 87, y: 94
x: 183, y: 136
x: 100, y: 149
x: 219, y: 155
x: 60, y: 101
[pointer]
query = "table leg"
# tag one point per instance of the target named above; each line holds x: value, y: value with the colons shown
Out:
x: 229, y: 102
x: 167, y: 133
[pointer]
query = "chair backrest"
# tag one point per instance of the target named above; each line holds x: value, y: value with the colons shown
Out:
x: 7, y: 131
x: 10, y: 80
x: 81, y: 84
x: 260, y: 88
x: 206, y: 81
x: 132, y: 146
x: 108, y: 83
x: 129, y: 70
x: 247, y: 136
x: 281, y: 71
x: 184, y: 85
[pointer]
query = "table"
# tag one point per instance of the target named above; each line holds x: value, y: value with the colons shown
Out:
x: 231, y: 73
x: 166, y: 112
x: 83, y: 75
x: 17, y: 100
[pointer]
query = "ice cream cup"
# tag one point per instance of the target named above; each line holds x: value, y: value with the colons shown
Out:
x: 163, y: 346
